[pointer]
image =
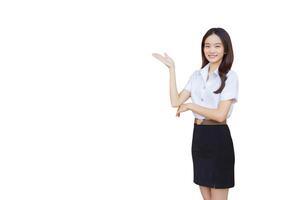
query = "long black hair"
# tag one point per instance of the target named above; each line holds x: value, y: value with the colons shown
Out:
x: 227, y: 59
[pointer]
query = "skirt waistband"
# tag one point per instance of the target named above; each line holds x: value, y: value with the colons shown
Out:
x: 208, y: 122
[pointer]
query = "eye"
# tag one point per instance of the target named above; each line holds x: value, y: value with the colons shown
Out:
x: 218, y: 46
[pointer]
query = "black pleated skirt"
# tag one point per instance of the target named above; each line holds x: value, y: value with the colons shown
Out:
x: 213, y: 156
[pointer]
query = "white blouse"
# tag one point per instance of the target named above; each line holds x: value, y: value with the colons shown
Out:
x: 202, y: 91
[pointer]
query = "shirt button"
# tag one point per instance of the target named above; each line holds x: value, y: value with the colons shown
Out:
x: 203, y: 87
x: 201, y: 99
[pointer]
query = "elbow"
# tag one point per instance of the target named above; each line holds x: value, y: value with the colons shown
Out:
x: 175, y: 105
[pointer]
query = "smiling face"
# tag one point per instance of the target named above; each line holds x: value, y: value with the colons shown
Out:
x: 213, y: 49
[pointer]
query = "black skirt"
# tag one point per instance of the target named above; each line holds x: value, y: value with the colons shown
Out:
x: 213, y: 156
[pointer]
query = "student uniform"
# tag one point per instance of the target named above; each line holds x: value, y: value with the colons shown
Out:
x: 212, y: 146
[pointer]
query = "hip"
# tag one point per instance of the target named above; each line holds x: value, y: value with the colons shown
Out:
x: 212, y: 134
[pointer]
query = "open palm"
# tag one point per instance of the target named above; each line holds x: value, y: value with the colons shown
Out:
x: 168, y: 61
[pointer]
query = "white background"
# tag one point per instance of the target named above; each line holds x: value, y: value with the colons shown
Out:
x: 85, y: 109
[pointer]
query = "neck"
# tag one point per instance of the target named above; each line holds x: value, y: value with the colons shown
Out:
x: 213, y: 66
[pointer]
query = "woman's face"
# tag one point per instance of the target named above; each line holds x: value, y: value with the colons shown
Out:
x: 213, y: 49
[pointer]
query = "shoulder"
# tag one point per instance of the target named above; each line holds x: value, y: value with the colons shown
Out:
x: 195, y: 74
x: 232, y: 75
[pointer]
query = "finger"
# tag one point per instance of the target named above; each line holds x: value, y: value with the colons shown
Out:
x: 160, y: 58
x: 156, y: 55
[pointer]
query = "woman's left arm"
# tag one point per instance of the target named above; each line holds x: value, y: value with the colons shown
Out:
x: 219, y: 114
x: 228, y: 96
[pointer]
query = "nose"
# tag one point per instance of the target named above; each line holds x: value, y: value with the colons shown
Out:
x: 212, y: 50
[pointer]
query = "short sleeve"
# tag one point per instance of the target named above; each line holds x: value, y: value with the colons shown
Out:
x: 231, y: 88
x: 188, y: 85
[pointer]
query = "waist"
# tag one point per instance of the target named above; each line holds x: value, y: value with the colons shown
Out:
x: 208, y: 122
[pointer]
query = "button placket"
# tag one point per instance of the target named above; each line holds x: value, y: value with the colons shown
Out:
x: 205, y: 82
x: 203, y: 91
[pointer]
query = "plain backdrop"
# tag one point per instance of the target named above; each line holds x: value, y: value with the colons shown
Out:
x: 85, y: 110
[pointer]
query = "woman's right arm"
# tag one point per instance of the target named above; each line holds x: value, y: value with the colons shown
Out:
x: 176, y: 99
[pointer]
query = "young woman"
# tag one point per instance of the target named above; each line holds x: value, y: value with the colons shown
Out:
x: 213, y: 90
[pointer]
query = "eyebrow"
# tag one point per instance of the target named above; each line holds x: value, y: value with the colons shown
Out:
x: 214, y: 43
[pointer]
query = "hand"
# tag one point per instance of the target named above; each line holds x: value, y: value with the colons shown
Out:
x: 181, y: 108
x: 168, y: 61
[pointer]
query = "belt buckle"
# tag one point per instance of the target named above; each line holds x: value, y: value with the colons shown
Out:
x: 199, y: 121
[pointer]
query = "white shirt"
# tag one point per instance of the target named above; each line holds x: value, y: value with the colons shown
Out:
x: 202, y: 91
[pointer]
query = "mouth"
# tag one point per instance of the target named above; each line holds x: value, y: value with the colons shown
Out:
x: 212, y: 56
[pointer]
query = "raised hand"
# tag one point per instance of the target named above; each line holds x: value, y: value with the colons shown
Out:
x: 168, y: 61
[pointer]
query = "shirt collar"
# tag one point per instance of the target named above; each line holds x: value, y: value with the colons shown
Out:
x: 204, y: 72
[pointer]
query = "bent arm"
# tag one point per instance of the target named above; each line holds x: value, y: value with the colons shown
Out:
x: 176, y: 99
x: 219, y: 114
